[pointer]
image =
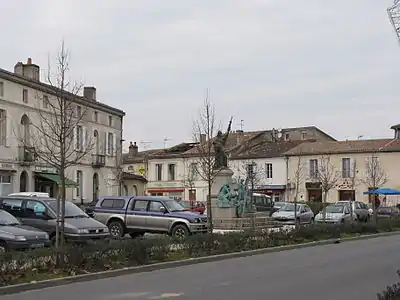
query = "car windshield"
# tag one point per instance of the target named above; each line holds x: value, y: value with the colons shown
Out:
x: 185, y: 204
x: 279, y: 204
x: 71, y: 210
x: 172, y: 205
x: 7, y: 219
x: 289, y: 207
x: 335, y: 209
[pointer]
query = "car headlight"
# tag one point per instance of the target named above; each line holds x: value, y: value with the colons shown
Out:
x: 19, y: 238
x: 46, y: 236
x: 105, y: 230
x: 83, y: 231
x: 197, y: 220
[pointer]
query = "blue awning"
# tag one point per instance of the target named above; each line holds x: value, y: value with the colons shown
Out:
x: 383, y: 191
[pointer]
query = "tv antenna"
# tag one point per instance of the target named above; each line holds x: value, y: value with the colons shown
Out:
x: 145, y: 144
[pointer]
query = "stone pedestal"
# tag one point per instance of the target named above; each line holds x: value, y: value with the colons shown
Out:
x: 224, y: 177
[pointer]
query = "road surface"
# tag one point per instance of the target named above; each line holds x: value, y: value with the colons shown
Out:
x: 353, y: 270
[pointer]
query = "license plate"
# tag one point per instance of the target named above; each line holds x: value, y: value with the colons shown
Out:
x: 37, y: 246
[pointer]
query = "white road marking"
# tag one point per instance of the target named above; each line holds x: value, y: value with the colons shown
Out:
x: 127, y: 295
x: 167, y: 295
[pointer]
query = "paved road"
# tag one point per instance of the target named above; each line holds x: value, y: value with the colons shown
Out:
x: 353, y: 270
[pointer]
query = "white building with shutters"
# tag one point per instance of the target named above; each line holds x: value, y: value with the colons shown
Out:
x: 22, y: 95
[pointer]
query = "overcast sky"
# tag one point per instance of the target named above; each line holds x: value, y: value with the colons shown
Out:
x: 272, y: 63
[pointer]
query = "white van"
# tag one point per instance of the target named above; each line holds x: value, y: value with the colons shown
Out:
x: 31, y: 194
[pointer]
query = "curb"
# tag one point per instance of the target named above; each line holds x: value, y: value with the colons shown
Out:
x: 23, y: 287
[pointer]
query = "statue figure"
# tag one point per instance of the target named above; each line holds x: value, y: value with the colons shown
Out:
x: 244, y: 203
x: 224, y: 197
x: 221, y: 159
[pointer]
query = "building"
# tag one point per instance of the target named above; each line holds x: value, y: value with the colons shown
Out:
x: 23, y: 99
x: 352, y: 167
x: 265, y: 151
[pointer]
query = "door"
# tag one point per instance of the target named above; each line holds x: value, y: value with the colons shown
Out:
x: 35, y: 215
x: 136, y: 214
x: 158, y: 221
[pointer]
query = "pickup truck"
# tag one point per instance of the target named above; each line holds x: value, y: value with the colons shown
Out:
x: 147, y: 214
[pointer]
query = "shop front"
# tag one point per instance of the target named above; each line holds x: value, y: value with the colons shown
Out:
x: 346, y: 190
x: 275, y: 191
x: 49, y: 182
x: 176, y: 194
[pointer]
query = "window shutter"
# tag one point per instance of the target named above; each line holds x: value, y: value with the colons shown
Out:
x: 353, y: 167
x: 106, y: 148
x: 7, y: 132
x: 114, y: 145
x: 84, y: 136
x: 75, y: 138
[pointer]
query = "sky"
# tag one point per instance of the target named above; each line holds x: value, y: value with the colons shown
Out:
x: 271, y: 63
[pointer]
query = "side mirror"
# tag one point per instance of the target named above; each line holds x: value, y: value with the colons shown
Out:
x: 163, y: 210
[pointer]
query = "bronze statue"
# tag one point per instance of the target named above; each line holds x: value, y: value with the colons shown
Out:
x: 221, y: 159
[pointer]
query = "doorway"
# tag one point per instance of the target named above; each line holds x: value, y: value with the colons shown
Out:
x: 95, y: 187
x: 23, y: 182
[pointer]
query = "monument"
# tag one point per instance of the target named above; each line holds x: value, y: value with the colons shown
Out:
x: 228, y: 199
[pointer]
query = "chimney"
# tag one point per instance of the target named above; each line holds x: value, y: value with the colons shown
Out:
x: 239, y: 137
x: 28, y: 70
x: 89, y: 92
x: 202, y: 138
x: 396, y: 129
x: 133, y: 150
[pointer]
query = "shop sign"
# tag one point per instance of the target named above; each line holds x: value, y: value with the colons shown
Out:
x: 7, y: 166
x: 45, y: 170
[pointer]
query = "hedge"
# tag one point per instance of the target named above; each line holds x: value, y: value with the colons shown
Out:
x: 391, y: 292
x: 19, y: 267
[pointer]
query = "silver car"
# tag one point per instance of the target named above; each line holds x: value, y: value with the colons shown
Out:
x: 286, y: 214
x: 359, y: 208
x: 335, y: 214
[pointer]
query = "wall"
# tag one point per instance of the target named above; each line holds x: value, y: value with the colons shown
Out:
x: 387, y: 162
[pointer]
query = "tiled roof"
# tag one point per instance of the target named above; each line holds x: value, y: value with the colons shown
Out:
x: 140, y: 156
x: 266, y: 149
x: 349, y: 146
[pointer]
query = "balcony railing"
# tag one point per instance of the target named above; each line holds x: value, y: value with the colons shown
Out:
x: 98, y: 160
x: 26, y: 154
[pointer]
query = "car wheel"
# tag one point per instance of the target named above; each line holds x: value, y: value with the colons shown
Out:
x: 135, y: 235
x: 116, y: 229
x: 180, y: 231
x: 3, y: 247
x: 367, y: 219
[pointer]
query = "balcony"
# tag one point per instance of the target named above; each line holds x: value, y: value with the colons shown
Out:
x: 26, y: 154
x: 98, y: 160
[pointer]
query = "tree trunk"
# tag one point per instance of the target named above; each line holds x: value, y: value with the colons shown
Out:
x: 325, y: 197
x: 295, y: 208
x: 63, y: 196
x: 209, y: 209
x: 58, y: 220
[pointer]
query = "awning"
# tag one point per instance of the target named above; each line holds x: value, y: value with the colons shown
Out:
x: 56, y: 178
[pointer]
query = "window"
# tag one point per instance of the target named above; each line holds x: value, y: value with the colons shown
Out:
x: 109, y: 120
x: 113, y: 203
x: 95, y: 116
x: 346, y: 167
x: 287, y: 136
x: 303, y: 135
x: 1, y: 89
x: 140, y: 205
x: 110, y: 143
x: 158, y: 172
x: 171, y: 172
x: 45, y: 101
x: 192, y: 194
x: 25, y: 95
x: 5, y: 178
x: 79, y: 137
x: 313, y: 168
x: 251, y: 169
x: 268, y: 169
x: 193, y: 172
x: 3, y: 127
x: 155, y: 206
x: 14, y: 207
x: 78, y: 111
x: 35, y: 209
x: 79, y: 183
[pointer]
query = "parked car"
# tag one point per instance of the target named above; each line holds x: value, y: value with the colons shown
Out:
x: 277, y: 206
x: 194, y: 206
x: 359, y: 208
x: 335, y: 214
x: 41, y: 213
x: 387, y: 212
x: 137, y: 215
x: 15, y: 236
x: 31, y: 194
x: 263, y: 202
x: 370, y: 209
x: 286, y: 215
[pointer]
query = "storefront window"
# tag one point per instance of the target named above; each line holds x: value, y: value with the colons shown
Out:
x: 6, y: 186
x: 175, y: 195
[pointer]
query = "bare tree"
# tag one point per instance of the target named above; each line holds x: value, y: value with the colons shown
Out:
x: 328, y: 176
x: 298, y: 177
x: 190, y: 174
x: 58, y: 137
x: 374, y: 177
x: 204, y: 131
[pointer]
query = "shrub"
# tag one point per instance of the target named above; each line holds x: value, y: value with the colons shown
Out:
x: 36, y: 264
x: 391, y: 292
